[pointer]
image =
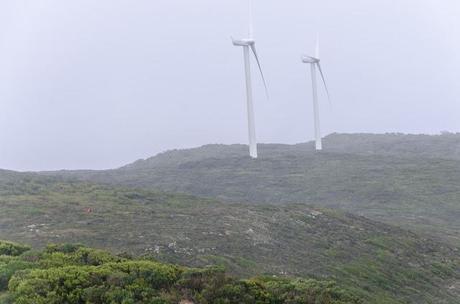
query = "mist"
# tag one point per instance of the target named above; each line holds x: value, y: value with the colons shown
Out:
x: 98, y: 84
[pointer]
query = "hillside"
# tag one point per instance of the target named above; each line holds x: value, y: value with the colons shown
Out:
x: 446, y: 146
x: 406, y: 180
x: 378, y: 262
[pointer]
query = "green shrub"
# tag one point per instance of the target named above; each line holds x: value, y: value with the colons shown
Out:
x: 75, y: 274
x: 56, y: 285
x: 8, y: 267
x: 124, y: 282
x: 76, y: 256
x: 12, y: 249
x: 5, y: 298
x: 62, y: 248
x: 302, y: 291
x: 238, y: 292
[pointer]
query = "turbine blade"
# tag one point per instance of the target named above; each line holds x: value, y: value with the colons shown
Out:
x: 251, y: 20
x: 324, y: 81
x: 317, y: 46
x: 253, y: 48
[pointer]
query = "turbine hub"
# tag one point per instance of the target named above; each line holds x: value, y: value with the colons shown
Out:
x: 309, y: 59
x: 243, y: 42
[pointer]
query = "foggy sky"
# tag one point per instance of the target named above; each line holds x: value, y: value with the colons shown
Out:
x: 98, y: 84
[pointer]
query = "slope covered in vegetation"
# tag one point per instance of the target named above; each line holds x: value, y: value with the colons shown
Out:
x: 377, y: 262
x: 75, y: 274
x: 406, y: 180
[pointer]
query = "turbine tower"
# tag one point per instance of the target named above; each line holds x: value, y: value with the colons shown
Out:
x: 315, y: 64
x: 249, y: 45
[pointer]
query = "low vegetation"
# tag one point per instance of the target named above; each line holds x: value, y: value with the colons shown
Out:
x: 12, y: 249
x: 75, y: 274
x: 411, y: 181
x: 377, y: 262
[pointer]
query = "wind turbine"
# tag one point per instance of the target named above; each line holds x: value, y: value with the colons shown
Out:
x: 249, y: 45
x: 314, y: 64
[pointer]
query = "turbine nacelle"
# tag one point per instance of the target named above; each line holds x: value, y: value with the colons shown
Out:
x: 243, y: 42
x: 309, y: 59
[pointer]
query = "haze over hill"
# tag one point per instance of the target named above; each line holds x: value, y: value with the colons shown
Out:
x: 445, y: 146
x: 407, y: 180
x: 80, y: 89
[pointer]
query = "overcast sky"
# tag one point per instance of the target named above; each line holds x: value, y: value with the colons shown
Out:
x: 98, y: 84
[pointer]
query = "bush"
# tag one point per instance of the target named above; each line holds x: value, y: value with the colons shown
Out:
x: 124, y: 282
x: 53, y: 257
x: 8, y: 267
x: 12, y: 249
x: 75, y: 274
x: 239, y: 292
x: 62, y: 248
x: 302, y: 291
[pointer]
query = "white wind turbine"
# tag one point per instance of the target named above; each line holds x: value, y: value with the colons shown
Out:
x: 315, y: 63
x: 249, y: 45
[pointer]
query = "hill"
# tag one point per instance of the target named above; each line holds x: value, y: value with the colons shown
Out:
x: 375, y: 261
x: 405, y: 180
x: 445, y: 146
